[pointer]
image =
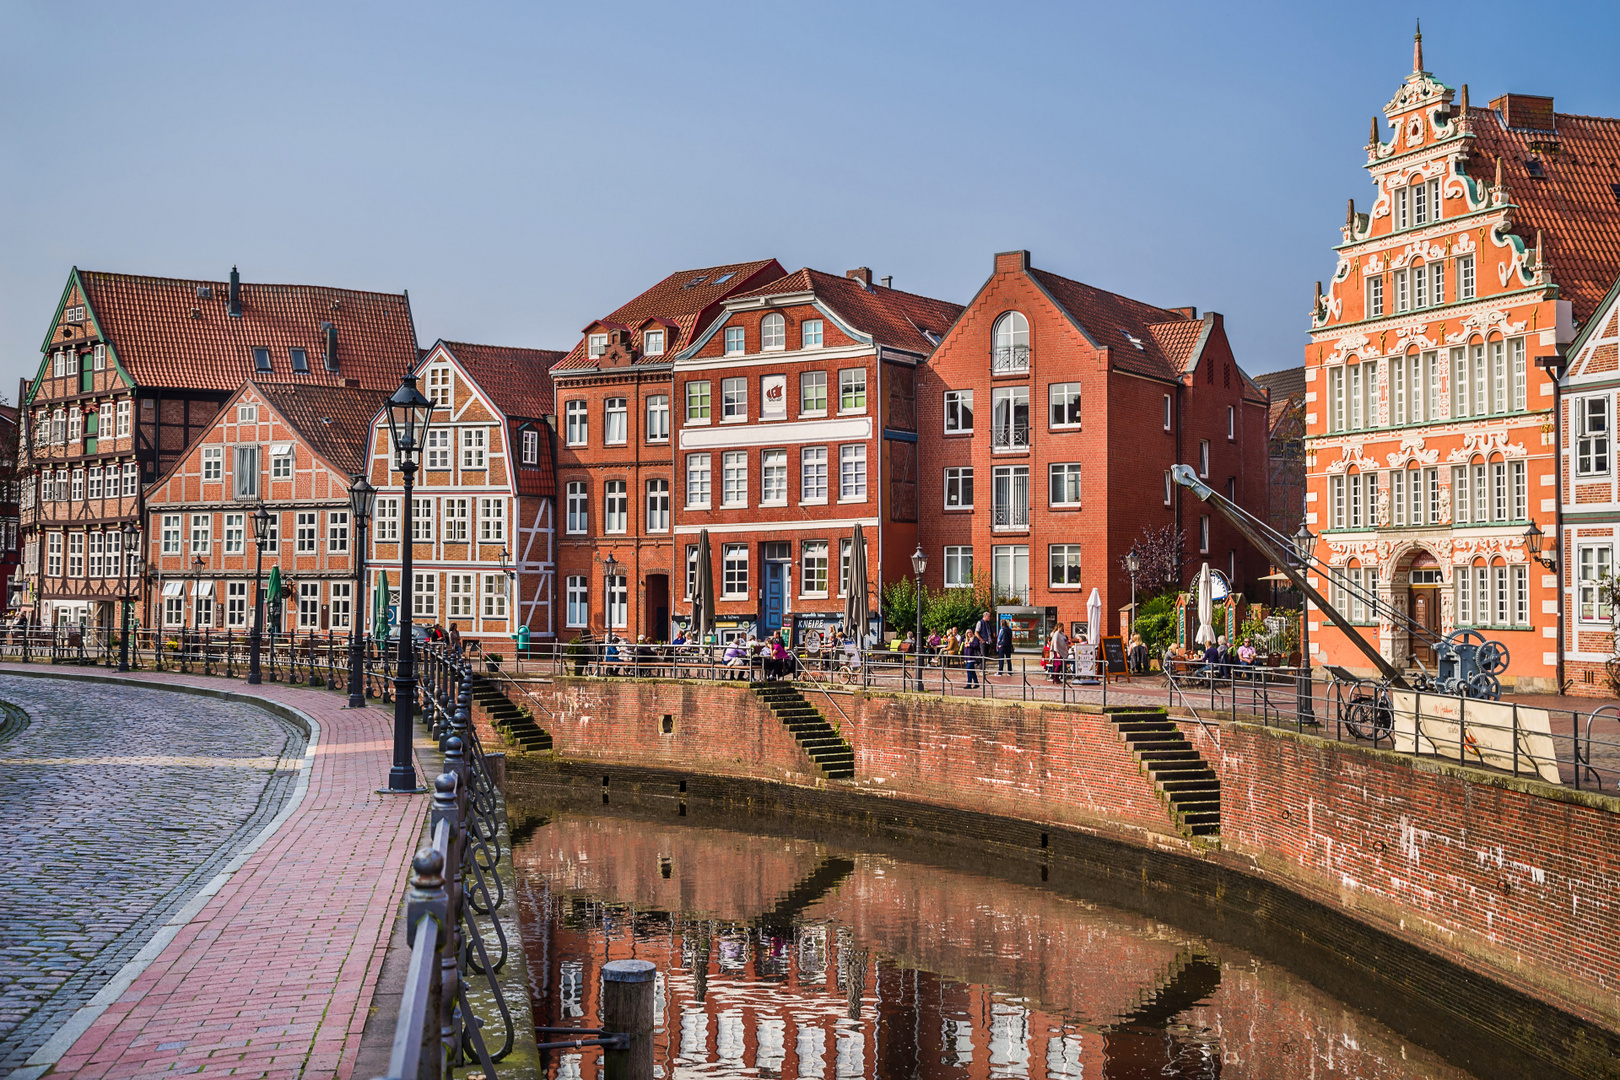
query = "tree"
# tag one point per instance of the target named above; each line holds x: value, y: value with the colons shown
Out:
x: 1158, y: 553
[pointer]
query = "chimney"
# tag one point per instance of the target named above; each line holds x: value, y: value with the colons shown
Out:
x: 330, y: 333
x: 235, y: 308
x: 862, y: 274
x: 1528, y: 111
x: 887, y: 281
x: 1187, y: 312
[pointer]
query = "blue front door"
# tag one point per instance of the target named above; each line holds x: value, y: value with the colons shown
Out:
x: 775, y: 576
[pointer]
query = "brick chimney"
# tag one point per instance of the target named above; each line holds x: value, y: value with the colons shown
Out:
x: 862, y: 274
x: 1530, y: 112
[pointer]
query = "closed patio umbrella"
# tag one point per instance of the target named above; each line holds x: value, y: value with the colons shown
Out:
x: 1094, y: 617
x: 703, y: 592
x: 379, y: 608
x: 856, y: 613
x: 1206, y: 608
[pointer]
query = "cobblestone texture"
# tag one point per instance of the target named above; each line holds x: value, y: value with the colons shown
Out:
x: 120, y: 803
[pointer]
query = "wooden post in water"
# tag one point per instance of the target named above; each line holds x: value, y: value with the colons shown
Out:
x: 627, y: 1006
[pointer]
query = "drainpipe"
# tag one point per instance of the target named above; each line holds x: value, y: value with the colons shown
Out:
x: 1181, y: 421
x: 1554, y: 366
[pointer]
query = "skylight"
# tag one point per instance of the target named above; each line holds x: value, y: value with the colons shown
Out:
x: 723, y: 278
x: 300, y: 359
x: 261, y: 359
x: 1133, y: 339
x: 1533, y: 167
x: 700, y: 279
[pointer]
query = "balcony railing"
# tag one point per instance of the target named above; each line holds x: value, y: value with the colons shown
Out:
x: 1009, y: 437
x: 1009, y: 359
x: 1009, y: 516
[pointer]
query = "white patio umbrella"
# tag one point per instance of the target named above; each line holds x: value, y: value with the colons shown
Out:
x: 1206, y: 608
x: 1094, y: 617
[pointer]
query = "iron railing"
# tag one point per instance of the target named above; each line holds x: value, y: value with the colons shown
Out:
x: 1009, y: 436
x: 1008, y: 359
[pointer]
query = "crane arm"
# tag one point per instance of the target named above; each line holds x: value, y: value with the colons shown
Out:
x: 1187, y: 478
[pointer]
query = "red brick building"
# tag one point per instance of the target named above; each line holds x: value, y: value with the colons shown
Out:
x: 615, y: 467
x: 291, y: 448
x: 484, y: 519
x: 797, y: 420
x: 1050, y: 417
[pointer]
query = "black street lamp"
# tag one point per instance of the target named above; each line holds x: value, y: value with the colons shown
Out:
x: 261, y: 533
x: 1304, y: 545
x: 919, y: 563
x: 1133, y: 564
x: 1534, y: 539
x: 362, y: 500
x: 127, y: 540
x: 409, y: 413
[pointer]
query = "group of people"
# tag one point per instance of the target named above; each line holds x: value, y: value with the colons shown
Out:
x: 1217, y: 660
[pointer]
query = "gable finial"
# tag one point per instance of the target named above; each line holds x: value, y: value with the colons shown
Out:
x: 1462, y: 102
x: 1539, y: 263
x: 1350, y: 215
x: 1498, y: 171
x: 1372, y: 136
x: 1417, y: 49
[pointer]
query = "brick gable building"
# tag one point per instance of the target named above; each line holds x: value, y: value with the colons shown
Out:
x: 1049, y: 419
x: 292, y: 448
x: 798, y: 414
x: 615, y: 466
x: 134, y: 369
x: 1494, y: 232
x: 484, y: 522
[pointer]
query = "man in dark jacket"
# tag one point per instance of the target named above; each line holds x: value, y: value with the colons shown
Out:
x: 971, y: 653
x: 1004, y: 648
x: 985, y: 633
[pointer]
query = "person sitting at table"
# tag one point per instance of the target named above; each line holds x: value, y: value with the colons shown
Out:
x: 1246, y: 653
x: 736, y: 656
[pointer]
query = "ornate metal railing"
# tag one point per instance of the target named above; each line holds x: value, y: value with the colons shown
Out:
x: 1009, y: 436
x: 1009, y: 359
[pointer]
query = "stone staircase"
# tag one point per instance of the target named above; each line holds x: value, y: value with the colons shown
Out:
x: 1183, y: 779
x: 516, y: 727
x: 831, y: 753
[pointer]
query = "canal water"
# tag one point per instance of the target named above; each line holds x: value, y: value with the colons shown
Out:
x: 797, y: 956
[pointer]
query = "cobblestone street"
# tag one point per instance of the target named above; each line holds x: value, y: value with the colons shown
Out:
x: 123, y: 802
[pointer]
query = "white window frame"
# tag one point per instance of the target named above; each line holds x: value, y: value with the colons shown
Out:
x: 851, y: 391
x: 958, y: 566
x: 658, y: 505
x: 959, y: 412
x: 1063, y: 479
x: 813, y: 476
x: 657, y: 420
x: 474, y: 452
x: 337, y: 531
x: 577, y: 597
x: 530, y: 446
x: 1063, y: 398
x: 652, y: 343
x: 959, y: 487
x: 615, y: 421
x: 1070, y: 556
x: 773, y: 478
x: 213, y: 463
x: 814, y: 567
x: 1593, y: 434
x: 736, y: 341
x: 699, y: 403
x: 773, y: 333
x: 734, y: 400
x: 734, y: 478
x: 852, y: 485
x: 699, y: 481
x: 305, y: 534
x: 492, y: 520
x: 812, y: 393
x: 615, y: 506
x: 810, y: 334
x: 202, y: 534
x: 576, y: 422
x: 577, y: 506
x: 734, y: 574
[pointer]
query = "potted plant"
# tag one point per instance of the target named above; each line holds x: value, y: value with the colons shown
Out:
x: 492, y: 661
x: 578, y: 654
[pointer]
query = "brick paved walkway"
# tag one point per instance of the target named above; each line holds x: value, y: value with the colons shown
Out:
x: 272, y: 973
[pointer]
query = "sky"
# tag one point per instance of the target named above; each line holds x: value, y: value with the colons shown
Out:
x: 523, y: 169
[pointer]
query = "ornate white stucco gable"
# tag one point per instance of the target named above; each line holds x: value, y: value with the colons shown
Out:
x: 1412, y: 451
x: 1486, y: 443
x: 1350, y: 454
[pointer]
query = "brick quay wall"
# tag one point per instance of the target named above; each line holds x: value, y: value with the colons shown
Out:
x: 1485, y: 875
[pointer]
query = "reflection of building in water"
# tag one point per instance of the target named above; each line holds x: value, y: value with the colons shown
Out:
x: 808, y: 964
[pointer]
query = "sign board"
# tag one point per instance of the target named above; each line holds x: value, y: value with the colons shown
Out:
x: 1475, y: 732
x: 773, y: 397
x: 1114, y: 662
x: 1085, y: 660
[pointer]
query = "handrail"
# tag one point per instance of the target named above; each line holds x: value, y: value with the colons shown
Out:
x: 818, y: 684
x: 1176, y: 690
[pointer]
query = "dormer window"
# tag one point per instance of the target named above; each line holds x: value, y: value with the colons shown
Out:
x: 652, y: 343
x: 810, y: 334
x: 261, y: 359
x: 596, y: 345
x: 773, y: 332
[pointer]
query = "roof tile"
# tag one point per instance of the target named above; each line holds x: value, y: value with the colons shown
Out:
x: 898, y: 319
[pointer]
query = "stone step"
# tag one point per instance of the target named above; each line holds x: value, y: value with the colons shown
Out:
x: 1206, y: 830
x: 1202, y: 783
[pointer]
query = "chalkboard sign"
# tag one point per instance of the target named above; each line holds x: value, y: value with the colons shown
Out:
x: 1114, y: 657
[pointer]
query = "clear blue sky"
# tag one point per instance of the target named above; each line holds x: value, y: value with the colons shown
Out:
x: 524, y: 168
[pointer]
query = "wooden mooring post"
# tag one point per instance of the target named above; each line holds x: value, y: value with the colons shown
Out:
x: 627, y: 1006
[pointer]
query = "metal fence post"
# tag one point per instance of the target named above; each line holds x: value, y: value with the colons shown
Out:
x: 446, y: 793
x: 427, y: 898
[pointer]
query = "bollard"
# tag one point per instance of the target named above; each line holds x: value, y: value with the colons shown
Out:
x: 627, y: 1007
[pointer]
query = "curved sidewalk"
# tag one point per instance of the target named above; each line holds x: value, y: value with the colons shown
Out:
x: 274, y: 975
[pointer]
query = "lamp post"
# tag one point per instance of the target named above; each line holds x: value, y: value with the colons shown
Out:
x: 409, y: 412
x: 261, y: 533
x: 919, y: 563
x: 1133, y: 563
x: 1304, y: 544
x: 362, y: 500
x: 127, y: 544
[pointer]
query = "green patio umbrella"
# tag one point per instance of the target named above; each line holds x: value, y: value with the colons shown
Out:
x: 272, y: 591
x: 379, y: 608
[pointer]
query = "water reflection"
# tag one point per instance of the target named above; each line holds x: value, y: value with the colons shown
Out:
x: 793, y: 958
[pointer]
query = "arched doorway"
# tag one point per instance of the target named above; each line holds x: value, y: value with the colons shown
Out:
x: 1423, y: 576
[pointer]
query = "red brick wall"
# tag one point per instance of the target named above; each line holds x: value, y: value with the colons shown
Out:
x: 1514, y: 877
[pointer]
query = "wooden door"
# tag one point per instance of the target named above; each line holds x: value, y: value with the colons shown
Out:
x: 1424, y: 604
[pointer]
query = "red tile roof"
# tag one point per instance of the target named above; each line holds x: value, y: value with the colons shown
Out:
x: 686, y: 300
x: 898, y: 319
x: 164, y: 335
x: 1576, y: 205
x: 1144, y: 339
x: 518, y: 380
x: 335, y: 421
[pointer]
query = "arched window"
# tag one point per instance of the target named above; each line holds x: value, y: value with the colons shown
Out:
x: 1011, y: 343
x: 773, y: 332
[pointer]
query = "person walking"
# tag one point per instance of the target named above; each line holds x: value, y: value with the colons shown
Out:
x: 1059, y: 654
x: 985, y: 633
x: 970, y: 658
x: 455, y: 640
x: 1004, y: 646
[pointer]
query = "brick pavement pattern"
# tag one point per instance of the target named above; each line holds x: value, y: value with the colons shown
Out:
x: 274, y: 975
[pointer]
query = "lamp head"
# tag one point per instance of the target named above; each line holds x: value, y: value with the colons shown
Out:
x: 409, y: 412
x: 362, y: 499
x: 1132, y: 563
x: 611, y: 567
x: 1533, y: 539
x: 919, y: 561
x: 261, y: 524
